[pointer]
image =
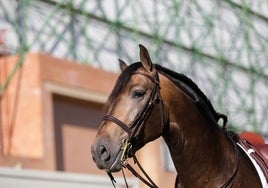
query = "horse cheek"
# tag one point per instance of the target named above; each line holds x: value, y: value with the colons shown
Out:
x: 153, y: 128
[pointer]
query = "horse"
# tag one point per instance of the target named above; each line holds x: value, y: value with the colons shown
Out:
x: 149, y: 101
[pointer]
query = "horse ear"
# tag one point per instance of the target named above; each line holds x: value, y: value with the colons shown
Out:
x: 122, y: 65
x: 145, y: 58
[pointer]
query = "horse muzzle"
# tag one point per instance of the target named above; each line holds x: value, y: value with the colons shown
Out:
x: 107, y: 157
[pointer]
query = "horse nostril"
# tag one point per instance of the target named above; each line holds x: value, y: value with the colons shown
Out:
x: 103, y: 153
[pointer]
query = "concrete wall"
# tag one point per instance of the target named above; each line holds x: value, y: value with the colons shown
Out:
x: 18, y: 178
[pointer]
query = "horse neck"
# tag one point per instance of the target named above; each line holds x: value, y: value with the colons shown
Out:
x: 198, y: 150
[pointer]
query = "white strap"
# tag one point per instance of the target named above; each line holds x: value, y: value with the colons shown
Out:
x: 260, y: 173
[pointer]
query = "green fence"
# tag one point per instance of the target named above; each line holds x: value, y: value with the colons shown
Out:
x: 221, y: 44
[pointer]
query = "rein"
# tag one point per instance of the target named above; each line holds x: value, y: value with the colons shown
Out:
x: 135, y: 129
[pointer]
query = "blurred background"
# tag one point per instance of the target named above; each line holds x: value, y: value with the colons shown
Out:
x: 58, y: 64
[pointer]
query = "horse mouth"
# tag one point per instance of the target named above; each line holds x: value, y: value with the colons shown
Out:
x: 111, y: 161
x: 116, y: 165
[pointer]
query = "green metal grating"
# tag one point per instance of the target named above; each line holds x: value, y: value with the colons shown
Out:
x: 221, y: 44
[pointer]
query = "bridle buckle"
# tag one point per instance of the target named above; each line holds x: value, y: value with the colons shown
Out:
x: 126, y: 147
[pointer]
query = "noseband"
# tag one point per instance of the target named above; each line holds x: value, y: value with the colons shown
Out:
x: 135, y: 129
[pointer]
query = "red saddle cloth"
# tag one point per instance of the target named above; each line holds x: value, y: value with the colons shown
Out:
x: 256, y: 143
x: 253, y: 138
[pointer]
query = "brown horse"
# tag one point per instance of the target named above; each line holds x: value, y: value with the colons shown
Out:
x: 138, y: 111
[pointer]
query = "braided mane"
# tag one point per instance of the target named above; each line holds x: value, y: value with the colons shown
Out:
x: 195, y: 93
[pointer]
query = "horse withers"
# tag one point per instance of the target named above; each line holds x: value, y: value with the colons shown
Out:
x: 149, y: 101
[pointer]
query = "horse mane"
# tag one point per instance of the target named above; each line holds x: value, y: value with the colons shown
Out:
x: 195, y: 94
x: 182, y: 81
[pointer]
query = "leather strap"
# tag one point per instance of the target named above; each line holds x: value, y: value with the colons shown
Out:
x: 149, y: 182
x: 118, y: 122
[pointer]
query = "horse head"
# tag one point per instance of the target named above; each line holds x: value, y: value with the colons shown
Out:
x: 134, y: 114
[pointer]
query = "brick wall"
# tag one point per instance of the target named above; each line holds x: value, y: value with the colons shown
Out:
x: 26, y: 117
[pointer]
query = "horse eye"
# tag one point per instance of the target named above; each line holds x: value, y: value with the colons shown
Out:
x: 138, y: 94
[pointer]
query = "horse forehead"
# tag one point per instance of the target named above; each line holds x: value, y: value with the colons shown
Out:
x: 139, y: 80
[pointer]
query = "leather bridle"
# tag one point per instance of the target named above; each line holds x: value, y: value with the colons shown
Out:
x: 135, y: 129
x: 137, y: 126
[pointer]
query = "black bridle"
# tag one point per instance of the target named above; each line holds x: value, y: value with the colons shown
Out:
x: 135, y: 129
